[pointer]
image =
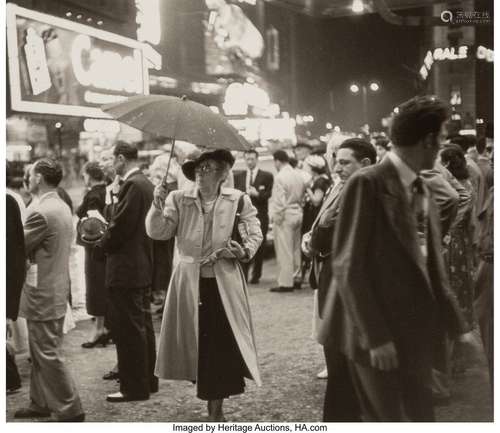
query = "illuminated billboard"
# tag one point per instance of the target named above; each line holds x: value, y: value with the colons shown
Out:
x: 61, y: 67
x: 233, y: 44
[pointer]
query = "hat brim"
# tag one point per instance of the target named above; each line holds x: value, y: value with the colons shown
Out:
x: 188, y: 168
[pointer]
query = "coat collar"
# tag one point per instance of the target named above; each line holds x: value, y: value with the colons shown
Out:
x: 194, y: 192
x: 130, y: 173
x: 401, y: 221
x: 225, y: 194
x: 330, y: 199
x: 49, y: 194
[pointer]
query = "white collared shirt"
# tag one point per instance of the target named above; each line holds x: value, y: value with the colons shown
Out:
x: 250, y: 178
x: 129, y: 173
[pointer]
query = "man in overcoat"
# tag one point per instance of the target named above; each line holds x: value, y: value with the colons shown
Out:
x: 48, y: 234
x: 129, y: 270
x: 258, y: 184
x: 286, y: 213
x: 389, y: 279
x: 340, y: 399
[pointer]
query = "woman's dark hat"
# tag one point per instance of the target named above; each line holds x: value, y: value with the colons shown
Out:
x: 216, y: 155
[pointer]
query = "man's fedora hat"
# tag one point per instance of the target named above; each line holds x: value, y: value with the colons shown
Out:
x: 91, y: 230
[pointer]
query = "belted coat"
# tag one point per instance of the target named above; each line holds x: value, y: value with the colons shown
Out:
x: 182, y: 217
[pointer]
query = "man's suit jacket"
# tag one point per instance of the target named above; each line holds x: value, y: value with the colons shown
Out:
x: 322, y: 234
x: 129, y: 251
x: 263, y: 183
x: 48, y: 234
x: 383, y: 289
x: 15, y: 268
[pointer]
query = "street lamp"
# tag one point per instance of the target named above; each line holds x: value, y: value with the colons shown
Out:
x: 354, y: 88
x: 59, y: 126
x: 373, y: 86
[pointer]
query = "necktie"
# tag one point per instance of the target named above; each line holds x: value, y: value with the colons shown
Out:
x: 418, y: 208
x: 250, y: 179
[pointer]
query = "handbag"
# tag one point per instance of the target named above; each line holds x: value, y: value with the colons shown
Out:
x: 321, y: 240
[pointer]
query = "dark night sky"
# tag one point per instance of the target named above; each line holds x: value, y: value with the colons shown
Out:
x: 335, y: 52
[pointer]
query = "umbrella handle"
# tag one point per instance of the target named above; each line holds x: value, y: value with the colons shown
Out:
x: 164, y: 180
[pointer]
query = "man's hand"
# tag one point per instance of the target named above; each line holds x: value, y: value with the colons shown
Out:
x: 384, y: 357
x: 466, y: 338
x: 159, y: 195
x: 306, y: 244
x: 252, y: 192
x: 233, y: 251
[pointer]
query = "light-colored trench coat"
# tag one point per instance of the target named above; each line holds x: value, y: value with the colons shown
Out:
x: 182, y: 217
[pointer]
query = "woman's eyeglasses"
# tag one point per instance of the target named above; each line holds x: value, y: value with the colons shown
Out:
x: 205, y: 169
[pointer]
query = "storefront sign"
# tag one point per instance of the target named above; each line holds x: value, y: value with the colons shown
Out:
x: 58, y: 66
x: 452, y: 53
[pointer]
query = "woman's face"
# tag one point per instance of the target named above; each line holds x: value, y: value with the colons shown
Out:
x: 208, y: 175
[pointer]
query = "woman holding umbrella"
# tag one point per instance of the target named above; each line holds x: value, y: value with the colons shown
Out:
x: 207, y: 334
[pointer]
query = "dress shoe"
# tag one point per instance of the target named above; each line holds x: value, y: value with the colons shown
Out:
x: 102, y: 340
x: 111, y: 375
x: 26, y: 412
x: 78, y: 418
x: 281, y: 289
x: 118, y: 397
x: 297, y: 285
x: 254, y: 281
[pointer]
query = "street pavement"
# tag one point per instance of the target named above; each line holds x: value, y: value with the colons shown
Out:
x: 289, y: 361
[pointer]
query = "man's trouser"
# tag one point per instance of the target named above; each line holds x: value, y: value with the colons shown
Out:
x: 390, y: 396
x: 287, y: 245
x: 134, y: 337
x: 52, y: 388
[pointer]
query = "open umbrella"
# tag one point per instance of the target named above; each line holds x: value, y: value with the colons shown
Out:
x: 177, y: 118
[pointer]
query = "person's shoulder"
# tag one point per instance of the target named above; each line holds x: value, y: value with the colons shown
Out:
x: 238, y: 173
x: 138, y: 181
x: 139, y: 178
x: 180, y: 193
x: 231, y: 193
x: 265, y: 174
x: 11, y: 201
x: 53, y: 206
x: 372, y: 174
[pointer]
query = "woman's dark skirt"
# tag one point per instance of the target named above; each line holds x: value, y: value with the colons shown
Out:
x: 221, y: 368
x: 96, y: 294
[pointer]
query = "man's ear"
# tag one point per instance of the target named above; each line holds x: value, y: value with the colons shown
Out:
x: 365, y: 162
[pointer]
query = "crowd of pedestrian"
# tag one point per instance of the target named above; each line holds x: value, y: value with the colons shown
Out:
x: 393, y: 234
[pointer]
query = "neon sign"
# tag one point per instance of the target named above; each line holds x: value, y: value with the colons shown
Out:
x: 62, y: 67
x: 101, y: 72
x: 452, y: 53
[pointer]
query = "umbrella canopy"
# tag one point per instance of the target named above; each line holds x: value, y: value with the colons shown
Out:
x: 178, y: 118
